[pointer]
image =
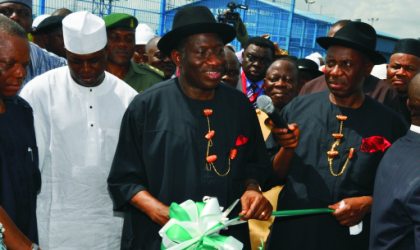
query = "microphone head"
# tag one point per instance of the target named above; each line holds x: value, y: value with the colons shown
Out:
x: 265, y: 104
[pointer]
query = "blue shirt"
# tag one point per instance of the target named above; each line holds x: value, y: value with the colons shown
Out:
x: 260, y: 84
x: 41, y: 62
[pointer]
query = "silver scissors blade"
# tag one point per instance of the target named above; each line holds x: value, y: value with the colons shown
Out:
x: 229, y: 209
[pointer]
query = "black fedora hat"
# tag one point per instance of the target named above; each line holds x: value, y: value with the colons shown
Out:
x: 192, y: 20
x: 358, y: 36
x: 308, y: 65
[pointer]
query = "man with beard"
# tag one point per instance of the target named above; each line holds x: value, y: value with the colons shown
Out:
x: 120, y: 29
x: 403, y: 65
x: 78, y: 111
x: 157, y: 60
x: 233, y: 68
x: 373, y: 86
x: 163, y: 155
x: 51, y: 30
x: 20, y: 11
x: 332, y: 161
x: 257, y: 56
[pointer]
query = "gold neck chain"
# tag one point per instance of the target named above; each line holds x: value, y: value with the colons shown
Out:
x: 210, y: 159
x: 334, y: 152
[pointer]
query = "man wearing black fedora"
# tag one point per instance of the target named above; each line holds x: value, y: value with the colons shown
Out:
x: 189, y: 137
x: 308, y: 71
x: 332, y: 159
x: 373, y: 86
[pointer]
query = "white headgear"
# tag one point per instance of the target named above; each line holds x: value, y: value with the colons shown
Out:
x: 144, y: 34
x: 84, y: 33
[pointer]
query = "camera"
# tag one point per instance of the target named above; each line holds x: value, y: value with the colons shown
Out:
x: 231, y: 16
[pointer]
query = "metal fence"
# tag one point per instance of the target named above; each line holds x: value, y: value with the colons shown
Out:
x: 293, y: 29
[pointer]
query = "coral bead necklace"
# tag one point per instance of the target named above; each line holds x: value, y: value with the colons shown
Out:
x: 210, y: 159
x: 338, y: 136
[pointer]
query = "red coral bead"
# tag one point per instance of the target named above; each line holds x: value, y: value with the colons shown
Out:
x: 351, y: 153
x: 207, y: 112
x: 332, y: 153
x: 211, y: 158
x: 209, y: 135
x: 337, y: 135
x: 233, y: 153
x: 341, y: 117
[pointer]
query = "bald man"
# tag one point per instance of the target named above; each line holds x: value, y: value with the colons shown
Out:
x: 336, y: 26
x: 61, y: 12
x: 373, y: 86
x: 396, y: 208
x: 233, y: 68
x: 155, y: 58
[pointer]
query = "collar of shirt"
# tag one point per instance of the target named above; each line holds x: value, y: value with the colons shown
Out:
x: 415, y: 128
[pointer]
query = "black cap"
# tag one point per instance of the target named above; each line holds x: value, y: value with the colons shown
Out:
x: 358, y: 36
x: 49, y: 25
x: 192, y: 20
x: 309, y: 65
x: 407, y: 46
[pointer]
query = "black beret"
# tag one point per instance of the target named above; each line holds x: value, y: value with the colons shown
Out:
x: 49, y: 25
x: 407, y: 46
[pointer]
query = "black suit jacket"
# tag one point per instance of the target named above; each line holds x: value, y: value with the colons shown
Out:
x: 395, y: 220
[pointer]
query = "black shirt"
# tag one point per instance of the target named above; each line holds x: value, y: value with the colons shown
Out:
x: 162, y: 149
x: 310, y: 183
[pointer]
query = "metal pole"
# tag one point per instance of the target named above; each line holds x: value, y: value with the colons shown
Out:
x: 162, y: 17
x: 290, y: 23
x: 41, y: 9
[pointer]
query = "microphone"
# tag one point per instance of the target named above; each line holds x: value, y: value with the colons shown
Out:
x: 265, y: 104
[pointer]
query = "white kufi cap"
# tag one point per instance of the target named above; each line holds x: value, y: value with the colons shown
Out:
x: 144, y: 34
x: 84, y: 33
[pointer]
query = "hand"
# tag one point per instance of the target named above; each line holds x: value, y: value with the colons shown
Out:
x: 224, y: 15
x: 156, y: 210
x: 160, y: 214
x: 284, y: 139
x: 255, y: 206
x: 354, y: 210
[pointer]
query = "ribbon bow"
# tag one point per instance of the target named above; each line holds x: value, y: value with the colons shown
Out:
x: 195, y: 225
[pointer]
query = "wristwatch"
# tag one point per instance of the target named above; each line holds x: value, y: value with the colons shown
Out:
x: 254, y: 183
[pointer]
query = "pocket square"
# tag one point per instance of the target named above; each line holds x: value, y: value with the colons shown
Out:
x: 374, y: 143
x: 241, y: 140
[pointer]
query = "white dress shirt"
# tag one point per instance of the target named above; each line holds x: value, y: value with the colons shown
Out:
x: 77, y: 131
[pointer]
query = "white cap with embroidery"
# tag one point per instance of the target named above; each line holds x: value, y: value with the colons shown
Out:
x: 84, y: 33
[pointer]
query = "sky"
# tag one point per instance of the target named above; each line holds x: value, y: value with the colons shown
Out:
x: 396, y: 17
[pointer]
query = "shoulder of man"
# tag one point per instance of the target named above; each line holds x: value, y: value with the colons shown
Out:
x: 143, y: 68
x: 41, y: 57
x: 120, y: 83
x: 316, y: 85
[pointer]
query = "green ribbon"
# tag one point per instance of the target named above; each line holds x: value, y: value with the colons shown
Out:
x: 195, y: 226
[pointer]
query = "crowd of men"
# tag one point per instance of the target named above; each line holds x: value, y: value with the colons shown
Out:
x: 103, y: 125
